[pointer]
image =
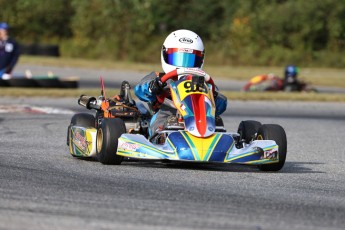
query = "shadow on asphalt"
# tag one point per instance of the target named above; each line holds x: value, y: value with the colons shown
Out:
x: 300, y: 167
x: 289, y: 167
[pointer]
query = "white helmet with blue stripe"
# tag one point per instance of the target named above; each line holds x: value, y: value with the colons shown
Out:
x: 182, y: 48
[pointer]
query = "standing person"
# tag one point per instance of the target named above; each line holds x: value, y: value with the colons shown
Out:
x: 9, y: 52
x: 182, y: 48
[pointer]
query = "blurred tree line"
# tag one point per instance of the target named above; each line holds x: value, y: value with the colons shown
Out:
x: 236, y: 32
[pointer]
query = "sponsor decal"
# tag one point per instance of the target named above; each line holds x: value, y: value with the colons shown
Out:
x: 270, y: 154
x: 192, y: 87
x: 186, y: 40
x: 80, y: 141
x: 128, y: 146
x: 195, y: 70
x: 185, y: 50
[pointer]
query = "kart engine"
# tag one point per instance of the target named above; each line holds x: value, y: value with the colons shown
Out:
x: 135, y: 118
x: 129, y: 114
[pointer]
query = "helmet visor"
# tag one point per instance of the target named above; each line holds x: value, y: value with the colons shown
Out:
x: 182, y: 57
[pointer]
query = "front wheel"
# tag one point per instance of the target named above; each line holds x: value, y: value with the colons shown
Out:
x: 248, y: 129
x: 277, y: 134
x: 107, y: 139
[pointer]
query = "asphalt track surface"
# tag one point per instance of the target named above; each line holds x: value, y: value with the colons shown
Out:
x: 43, y: 187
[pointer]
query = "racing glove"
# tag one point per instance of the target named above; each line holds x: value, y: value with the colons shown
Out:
x: 156, y: 86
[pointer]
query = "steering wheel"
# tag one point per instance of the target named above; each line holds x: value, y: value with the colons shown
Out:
x: 185, y: 71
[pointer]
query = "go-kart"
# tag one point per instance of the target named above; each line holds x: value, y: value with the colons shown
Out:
x: 273, y: 83
x: 119, y: 129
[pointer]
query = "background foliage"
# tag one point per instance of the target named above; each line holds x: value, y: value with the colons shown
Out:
x: 235, y: 32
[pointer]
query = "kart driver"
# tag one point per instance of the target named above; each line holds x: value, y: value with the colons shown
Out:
x: 9, y: 52
x: 290, y: 78
x: 182, y: 48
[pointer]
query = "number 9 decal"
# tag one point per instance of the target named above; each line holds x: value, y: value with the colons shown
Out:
x: 192, y: 87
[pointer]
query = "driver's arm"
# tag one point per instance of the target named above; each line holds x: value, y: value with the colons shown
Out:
x: 143, y: 91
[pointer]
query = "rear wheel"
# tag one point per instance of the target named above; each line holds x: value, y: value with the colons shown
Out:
x: 248, y: 129
x: 107, y: 139
x: 80, y: 119
x: 276, y: 133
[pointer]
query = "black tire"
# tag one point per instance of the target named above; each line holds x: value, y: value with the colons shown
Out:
x: 81, y: 119
x: 291, y: 88
x: 22, y: 82
x: 276, y: 133
x: 219, y: 121
x: 248, y: 129
x: 48, y: 82
x: 71, y: 83
x: 4, y: 83
x: 107, y: 139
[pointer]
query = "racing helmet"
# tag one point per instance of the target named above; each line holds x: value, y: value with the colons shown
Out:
x: 4, y: 26
x: 182, y: 48
x: 291, y: 71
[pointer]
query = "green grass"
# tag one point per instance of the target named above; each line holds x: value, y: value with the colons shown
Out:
x: 331, y: 77
x: 280, y: 96
x: 316, y: 76
x: 285, y: 96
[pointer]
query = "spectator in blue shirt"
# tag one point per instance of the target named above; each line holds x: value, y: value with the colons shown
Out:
x: 9, y: 52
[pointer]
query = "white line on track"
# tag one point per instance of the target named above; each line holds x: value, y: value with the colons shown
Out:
x: 33, y: 109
